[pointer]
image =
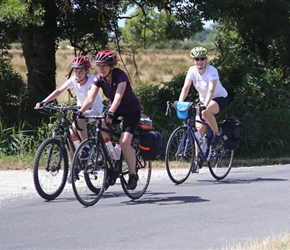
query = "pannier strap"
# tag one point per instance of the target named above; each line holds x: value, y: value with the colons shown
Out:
x: 144, y: 148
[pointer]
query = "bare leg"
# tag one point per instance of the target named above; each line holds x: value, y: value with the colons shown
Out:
x: 128, y: 151
x: 208, y: 115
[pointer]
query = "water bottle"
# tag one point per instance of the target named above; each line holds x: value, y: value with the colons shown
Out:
x: 203, y: 143
x: 117, y: 149
x: 76, y: 141
x: 197, y: 135
x: 110, y: 148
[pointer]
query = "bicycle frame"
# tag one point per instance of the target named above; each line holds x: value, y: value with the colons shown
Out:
x: 191, y: 133
x: 114, y: 164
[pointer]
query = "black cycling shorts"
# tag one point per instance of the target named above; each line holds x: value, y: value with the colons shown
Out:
x: 130, y: 123
x: 223, y: 102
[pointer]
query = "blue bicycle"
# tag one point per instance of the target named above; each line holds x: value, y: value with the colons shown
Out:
x: 180, y: 150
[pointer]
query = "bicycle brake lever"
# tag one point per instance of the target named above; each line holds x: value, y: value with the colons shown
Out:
x: 76, y: 125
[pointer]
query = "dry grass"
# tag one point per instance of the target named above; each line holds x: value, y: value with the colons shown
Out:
x: 155, y: 66
x: 280, y: 242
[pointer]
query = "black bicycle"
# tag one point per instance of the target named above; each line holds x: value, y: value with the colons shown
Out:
x: 51, y: 162
x: 180, y: 150
x: 91, y: 177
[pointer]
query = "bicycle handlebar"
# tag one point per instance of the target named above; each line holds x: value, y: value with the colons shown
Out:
x: 172, y: 106
x: 60, y: 108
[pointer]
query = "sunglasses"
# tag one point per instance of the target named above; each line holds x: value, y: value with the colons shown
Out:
x: 200, y: 58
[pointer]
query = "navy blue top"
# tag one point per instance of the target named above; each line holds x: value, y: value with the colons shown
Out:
x: 129, y: 103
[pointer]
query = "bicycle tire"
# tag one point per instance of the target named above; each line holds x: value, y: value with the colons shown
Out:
x: 143, y: 169
x: 221, y: 162
x: 89, y: 176
x: 50, y: 169
x: 179, y: 163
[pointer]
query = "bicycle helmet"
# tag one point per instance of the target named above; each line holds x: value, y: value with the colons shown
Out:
x: 106, y: 56
x: 81, y: 62
x: 198, y: 52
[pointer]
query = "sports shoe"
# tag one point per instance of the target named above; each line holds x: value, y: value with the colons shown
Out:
x: 197, y: 165
x: 215, y: 141
x: 69, y: 178
x: 132, y: 183
x: 85, y: 153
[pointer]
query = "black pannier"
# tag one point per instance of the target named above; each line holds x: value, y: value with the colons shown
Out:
x: 231, y: 133
x: 150, y: 144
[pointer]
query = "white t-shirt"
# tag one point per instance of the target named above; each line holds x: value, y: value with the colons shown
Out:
x: 82, y: 92
x: 201, y: 82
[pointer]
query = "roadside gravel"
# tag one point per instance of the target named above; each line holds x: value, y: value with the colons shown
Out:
x: 15, y: 185
x: 18, y: 184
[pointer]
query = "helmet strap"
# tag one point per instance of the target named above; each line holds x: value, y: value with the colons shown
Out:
x: 108, y: 73
x: 78, y: 81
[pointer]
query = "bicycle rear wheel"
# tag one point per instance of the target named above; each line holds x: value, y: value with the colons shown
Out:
x: 89, y: 175
x: 179, y: 155
x: 143, y: 169
x: 50, y: 169
x: 220, y: 162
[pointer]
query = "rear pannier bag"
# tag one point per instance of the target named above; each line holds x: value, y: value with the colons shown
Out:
x: 231, y: 133
x: 145, y: 123
x: 150, y: 144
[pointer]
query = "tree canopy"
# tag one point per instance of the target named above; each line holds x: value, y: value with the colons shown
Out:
x: 253, y: 41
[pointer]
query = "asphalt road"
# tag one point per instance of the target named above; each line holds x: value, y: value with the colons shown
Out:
x: 250, y: 204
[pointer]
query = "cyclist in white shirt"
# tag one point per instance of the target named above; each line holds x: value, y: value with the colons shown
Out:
x: 80, y: 82
x: 212, y: 95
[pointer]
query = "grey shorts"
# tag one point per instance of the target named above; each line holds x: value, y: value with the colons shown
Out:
x: 91, y: 112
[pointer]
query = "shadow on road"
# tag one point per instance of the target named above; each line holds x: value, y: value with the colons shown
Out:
x: 242, y: 181
x: 154, y: 198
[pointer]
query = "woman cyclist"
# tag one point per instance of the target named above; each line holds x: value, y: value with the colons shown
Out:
x: 213, y: 97
x: 116, y: 86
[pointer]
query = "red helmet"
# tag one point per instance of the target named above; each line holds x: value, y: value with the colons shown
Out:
x: 106, y: 56
x: 81, y: 62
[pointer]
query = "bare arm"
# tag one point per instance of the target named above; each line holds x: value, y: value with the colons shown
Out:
x: 118, y: 96
x: 185, y: 89
x: 53, y: 95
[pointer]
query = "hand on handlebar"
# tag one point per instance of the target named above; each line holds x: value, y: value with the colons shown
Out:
x: 76, y: 115
x: 109, y: 115
x: 39, y: 105
x: 200, y: 109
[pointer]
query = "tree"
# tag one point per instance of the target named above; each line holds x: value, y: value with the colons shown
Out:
x: 41, y: 24
x: 88, y: 25
x: 13, y: 91
x: 146, y: 27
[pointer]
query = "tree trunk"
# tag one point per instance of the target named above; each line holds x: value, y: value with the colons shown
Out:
x: 133, y: 59
x: 39, y: 47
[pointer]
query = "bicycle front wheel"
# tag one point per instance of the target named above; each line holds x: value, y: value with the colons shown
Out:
x: 220, y: 163
x: 143, y: 170
x: 50, y: 169
x: 89, y: 172
x: 179, y: 155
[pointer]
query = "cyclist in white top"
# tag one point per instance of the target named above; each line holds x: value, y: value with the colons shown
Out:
x: 81, y: 82
x: 212, y: 95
